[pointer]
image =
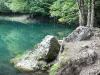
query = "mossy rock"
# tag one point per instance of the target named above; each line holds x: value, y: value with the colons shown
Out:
x: 39, y: 59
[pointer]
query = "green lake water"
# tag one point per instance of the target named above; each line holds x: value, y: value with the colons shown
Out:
x: 18, y: 38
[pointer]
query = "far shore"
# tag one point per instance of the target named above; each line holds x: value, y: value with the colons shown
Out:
x: 25, y: 18
x: 18, y: 18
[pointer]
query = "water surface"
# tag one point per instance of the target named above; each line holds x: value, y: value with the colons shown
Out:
x: 17, y: 38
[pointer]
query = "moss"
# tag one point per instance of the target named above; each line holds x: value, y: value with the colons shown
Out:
x: 16, y: 59
x: 54, y: 69
x: 35, y: 46
x: 56, y: 38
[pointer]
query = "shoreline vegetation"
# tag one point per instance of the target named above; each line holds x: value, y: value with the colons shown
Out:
x: 34, y: 19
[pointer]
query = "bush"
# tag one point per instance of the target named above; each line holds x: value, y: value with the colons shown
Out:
x: 65, y: 10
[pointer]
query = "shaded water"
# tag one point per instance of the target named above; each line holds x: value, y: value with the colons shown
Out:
x: 17, y: 38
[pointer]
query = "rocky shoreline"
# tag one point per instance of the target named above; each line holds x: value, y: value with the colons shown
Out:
x: 79, y: 55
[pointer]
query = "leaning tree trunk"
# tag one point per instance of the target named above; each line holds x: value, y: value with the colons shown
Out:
x: 89, y: 13
x: 92, y: 13
x: 81, y: 12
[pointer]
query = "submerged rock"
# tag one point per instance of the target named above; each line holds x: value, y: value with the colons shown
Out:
x: 44, y: 53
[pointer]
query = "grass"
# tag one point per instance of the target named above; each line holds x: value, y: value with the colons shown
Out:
x: 54, y: 69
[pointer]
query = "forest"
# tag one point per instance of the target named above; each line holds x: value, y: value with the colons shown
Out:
x: 66, y: 11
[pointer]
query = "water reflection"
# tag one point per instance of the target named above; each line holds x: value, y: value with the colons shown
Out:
x: 17, y: 38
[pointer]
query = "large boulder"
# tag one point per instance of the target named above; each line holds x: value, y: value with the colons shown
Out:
x: 43, y: 54
x: 79, y: 34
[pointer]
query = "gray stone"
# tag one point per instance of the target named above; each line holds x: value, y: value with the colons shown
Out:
x: 79, y: 34
x: 45, y: 52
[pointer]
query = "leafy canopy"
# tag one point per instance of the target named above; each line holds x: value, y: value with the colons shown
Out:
x: 3, y: 7
x: 65, y: 10
x: 30, y: 6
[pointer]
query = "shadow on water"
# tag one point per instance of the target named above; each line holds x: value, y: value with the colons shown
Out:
x: 17, y: 38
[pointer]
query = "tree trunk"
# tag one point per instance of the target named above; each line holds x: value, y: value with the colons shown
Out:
x: 81, y: 12
x: 89, y: 13
x: 92, y: 13
x: 90, y: 18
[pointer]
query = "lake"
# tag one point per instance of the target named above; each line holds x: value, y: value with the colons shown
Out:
x: 17, y: 38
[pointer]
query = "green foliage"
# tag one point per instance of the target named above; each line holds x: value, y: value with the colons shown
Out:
x: 66, y: 10
x: 16, y: 5
x: 54, y: 69
x: 3, y: 7
x: 30, y: 6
